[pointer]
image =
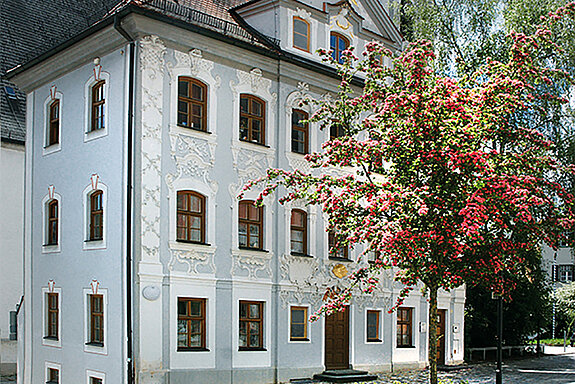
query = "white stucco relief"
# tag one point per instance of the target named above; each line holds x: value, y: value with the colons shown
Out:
x: 152, y: 66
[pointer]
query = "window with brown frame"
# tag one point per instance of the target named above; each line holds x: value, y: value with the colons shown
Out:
x: 98, y: 102
x: 335, y: 249
x: 252, y: 119
x: 52, y: 223
x: 191, y: 324
x: 192, y: 104
x: 299, y: 132
x: 300, y: 34
x: 338, y: 44
x: 96, y: 320
x: 298, y: 233
x: 95, y: 380
x: 251, y: 325
x: 96, y: 216
x: 373, y: 318
x: 191, y: 217
x: 53, y: 376
x: 54, y: 123
x: 404, y: 327
x: 52, y: 312
x: 250, y: 228
x: 298, y: 324
x: 336, y: 130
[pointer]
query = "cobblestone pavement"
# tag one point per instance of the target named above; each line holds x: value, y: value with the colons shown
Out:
x: 554, y: 369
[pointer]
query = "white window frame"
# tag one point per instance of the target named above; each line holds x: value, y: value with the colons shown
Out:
x: 47, y: 150
x: 55, y: 248
x: 51, y: 365
x: 93, y: 348
x: 289, y: 340
x: 380, y: 330
x: 95, y: 244
x: 93, y: 135
x: 51, y: 342
x: 96, y: 375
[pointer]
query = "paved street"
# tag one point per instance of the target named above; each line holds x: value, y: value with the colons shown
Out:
x: 550, y: 369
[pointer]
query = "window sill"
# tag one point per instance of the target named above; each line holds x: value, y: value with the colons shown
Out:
x: 193, y: 242
x: 374, y: 340
x: 296, y: 340
x: 300, y: 153
x: 51, y: 338
x: 406, y: 346
x: 193, y: 129
x: 94, y: 244
x: 50, y: 248
x: 53, y: 148
x: 92, y: 240
x: 248, y: 349
x: 252, y: 249
x: 335, y: 258
x: 255, y: 143
x: 95, y: 134
x: 297, y: 254
x: 95, y: 344
x: 197, y: 349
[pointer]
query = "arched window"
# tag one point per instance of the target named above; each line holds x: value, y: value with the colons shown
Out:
x: 191, y: 217
x: 52, y: 223
x: 97, y: 109
x: 54, y: 123
x: 192, y: 103
x: 338, y: 44
x: 250, y: 229
x: 96, y: 216
x: 298, y: 232
x: 300, y: 34
x: 299, y: 132
x: 252, y: 119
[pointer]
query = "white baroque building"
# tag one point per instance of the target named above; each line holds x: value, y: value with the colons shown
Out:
x: 141, y: 264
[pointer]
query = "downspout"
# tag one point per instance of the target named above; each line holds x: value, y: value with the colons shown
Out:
x: 129, y: 186
x: 277, y: 269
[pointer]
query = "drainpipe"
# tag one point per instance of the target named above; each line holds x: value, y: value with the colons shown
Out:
x: 129, y: 186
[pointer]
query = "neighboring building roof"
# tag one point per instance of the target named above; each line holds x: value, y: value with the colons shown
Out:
x: 12, y: 113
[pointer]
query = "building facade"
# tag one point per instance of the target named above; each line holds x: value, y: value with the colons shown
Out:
x: 141, y: 260
x: 12, y: 130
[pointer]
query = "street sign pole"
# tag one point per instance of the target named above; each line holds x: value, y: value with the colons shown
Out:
x: 498, y: 372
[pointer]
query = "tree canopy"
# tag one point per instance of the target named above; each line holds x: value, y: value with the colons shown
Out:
x: 443, y: 177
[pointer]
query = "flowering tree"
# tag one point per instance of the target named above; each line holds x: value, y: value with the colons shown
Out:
x: 446, y: 181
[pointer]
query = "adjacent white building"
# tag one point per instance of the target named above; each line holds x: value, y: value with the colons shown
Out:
x: 141, y: 263
x: 12, y: 131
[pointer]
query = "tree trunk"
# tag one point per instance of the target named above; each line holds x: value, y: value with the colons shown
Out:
x: 432, y: 340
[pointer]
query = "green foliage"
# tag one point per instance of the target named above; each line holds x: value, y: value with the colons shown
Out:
x: 528, y: 311
x: 565, y: 297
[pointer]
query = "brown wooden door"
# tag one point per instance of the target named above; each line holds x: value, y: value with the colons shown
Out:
x: 337, y: 340
x: 441, y: 336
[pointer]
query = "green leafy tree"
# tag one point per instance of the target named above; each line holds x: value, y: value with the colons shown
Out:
x: 444, y: 177
x: 465, y: 34
x: 565, y: 297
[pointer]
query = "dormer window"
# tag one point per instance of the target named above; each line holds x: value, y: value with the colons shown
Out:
x: 300, y: 34
x: 338, y: 44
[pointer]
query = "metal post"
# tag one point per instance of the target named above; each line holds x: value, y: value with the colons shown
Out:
x: 498, y: 373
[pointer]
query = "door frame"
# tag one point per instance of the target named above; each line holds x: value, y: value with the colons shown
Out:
x: 349, y: 340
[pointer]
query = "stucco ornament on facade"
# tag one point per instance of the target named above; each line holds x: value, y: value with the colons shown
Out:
x: 194, y: 62
x: 251, y: 262
x: 197, y: 260
x: 303, y: 14
x: 194, y: 158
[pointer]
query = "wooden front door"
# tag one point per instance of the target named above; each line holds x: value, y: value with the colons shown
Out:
x: 337, y: 340
x: 441, y: 336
